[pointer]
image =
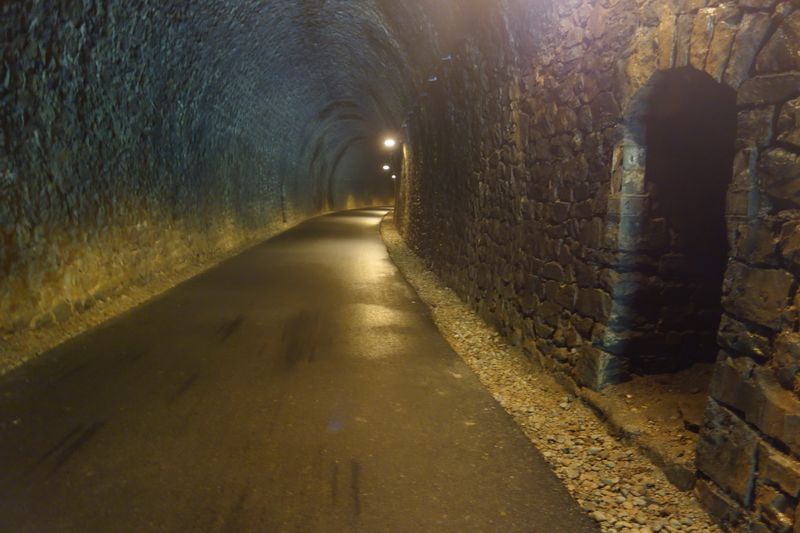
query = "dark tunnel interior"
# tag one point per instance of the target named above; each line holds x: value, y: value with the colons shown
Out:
x: 690, y: 126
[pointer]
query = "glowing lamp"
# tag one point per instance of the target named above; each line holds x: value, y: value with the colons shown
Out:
x: 386, y: 167
x: 390, y: 143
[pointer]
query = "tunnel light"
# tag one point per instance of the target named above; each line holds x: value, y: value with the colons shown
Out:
x: 386, y: 167
x: 390, y: 143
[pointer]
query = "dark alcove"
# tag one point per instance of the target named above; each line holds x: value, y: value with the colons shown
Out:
x: 690, y: 131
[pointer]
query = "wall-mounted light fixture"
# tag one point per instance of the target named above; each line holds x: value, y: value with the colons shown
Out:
x: 394, y: 176
x: 389, y: 142
x: 386, y: 167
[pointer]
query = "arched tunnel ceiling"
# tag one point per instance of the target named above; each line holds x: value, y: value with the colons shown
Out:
x: 306, y: 77
x: 326, y: 72
x: 187, y: 128
x: 329, y: 73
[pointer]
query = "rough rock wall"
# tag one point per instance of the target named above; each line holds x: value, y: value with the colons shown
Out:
x: 526, y: 187
x: 139, y: 135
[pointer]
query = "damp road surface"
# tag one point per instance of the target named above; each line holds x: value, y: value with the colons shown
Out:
x: 300, y: 386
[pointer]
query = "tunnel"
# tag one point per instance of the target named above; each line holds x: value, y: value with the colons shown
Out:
x: 367, y: 265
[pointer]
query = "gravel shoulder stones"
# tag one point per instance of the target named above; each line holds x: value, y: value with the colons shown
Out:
x: 608, y: 477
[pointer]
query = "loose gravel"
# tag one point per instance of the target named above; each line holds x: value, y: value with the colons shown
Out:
x: 616, y: 485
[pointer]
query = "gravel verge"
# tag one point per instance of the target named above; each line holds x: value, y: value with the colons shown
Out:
x: 609, y: 478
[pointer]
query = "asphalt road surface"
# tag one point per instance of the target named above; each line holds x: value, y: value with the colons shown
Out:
x: 300, y: 386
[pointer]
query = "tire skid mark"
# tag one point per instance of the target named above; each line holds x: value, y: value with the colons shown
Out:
x: 227, y: 329
x: 187, y: 384
x: 60, y: 444
x: 301, y: 337
x: 334, y: 482
x: 355, y: 486
x: 69, y: 450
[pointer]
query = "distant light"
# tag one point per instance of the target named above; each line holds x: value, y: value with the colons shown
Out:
x: 390, y: 143
x: 394, y: 177
x: 386, y: 167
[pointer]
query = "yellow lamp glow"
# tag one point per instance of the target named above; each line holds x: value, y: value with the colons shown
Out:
x: 390, y: 143
x: 386, y: 167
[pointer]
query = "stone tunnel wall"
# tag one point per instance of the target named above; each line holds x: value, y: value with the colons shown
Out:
x: 139, y: 136
x: 525, y: 188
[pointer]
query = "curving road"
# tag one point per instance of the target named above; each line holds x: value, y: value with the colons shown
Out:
x: 299, y: 386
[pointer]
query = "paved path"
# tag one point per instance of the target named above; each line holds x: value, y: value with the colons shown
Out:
x: 299, y: 386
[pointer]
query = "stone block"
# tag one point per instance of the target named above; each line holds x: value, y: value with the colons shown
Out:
x: 549, y: 312
x: 642, y: 234
x: 774, y: 410
x: 596, y: 25
x: 566, y: 120
x: 558, y: 211
x: 594, y: 303
x: 582, y: 324
x: 762, y: 5
x: 752, y: 30
x: 596, y: 369
x: 691, y: 6
x: 737, y: 203
x: 756, y: 392
x: 560, y: 294
x: 756, y: 244
x: 786, y: 360
x: 738, y: 338
x: 716, y: 502
x: 585, y: 120
x: 543, y: 329
x: 796, y: 519
x: 700, y: 38
x: 789, y: 242
x: 788, y: 129
x: 780, y: 172
x: 756, y: 294
x: 684, y: 25
x: 719, y: 48
x: 567, y: 335
x: 633, y: 343
x: 774, y: 508
x: 632, y: 286
x: 634, y: 205
x: 782, y: 51
x: 528, y: 302
x: 779, y: 469
x: 768, y: 89
x: 640, y: 65
x: 605, y: 111
x: 666, y: 38
x: 754, y: 127
x: 606, y: 278
x: 726, y: 452
x: 591, y: 233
